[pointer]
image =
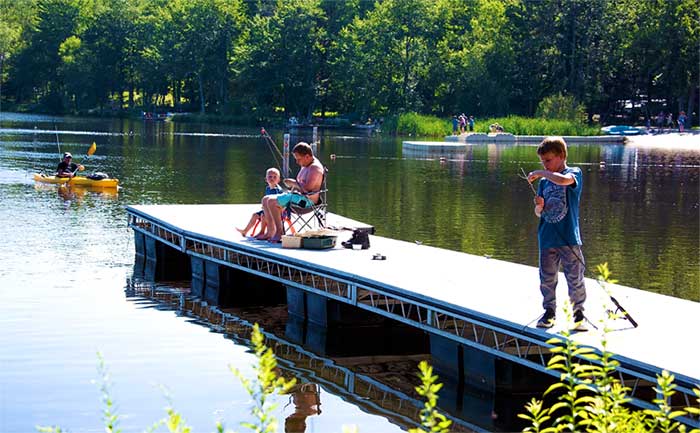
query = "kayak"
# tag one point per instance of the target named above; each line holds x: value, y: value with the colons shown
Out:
x: 77, y: 180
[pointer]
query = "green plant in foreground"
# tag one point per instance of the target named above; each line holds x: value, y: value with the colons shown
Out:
x: 109, y: 411
x: 431, y: 419
x: 267, y: 383
x: 591, y: 398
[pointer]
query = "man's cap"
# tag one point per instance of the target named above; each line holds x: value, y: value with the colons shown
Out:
x: 67, y: 155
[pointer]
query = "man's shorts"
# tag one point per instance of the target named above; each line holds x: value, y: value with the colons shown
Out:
x: 296, y: 199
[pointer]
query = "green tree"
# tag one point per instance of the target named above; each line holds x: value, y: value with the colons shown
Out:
x: 37, y: 66
x: 282, y: 57
x: 201, y: 39
x: 476, y: 56
x: 15, y: 18
x: 388, y: 53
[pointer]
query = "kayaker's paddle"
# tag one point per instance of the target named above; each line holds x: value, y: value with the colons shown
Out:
x: 90, y: 152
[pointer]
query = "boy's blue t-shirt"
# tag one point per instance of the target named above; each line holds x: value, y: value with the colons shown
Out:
x: 272, y: 191
x: 559, y: 224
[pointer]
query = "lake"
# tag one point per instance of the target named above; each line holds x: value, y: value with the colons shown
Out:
x: 68, y: 290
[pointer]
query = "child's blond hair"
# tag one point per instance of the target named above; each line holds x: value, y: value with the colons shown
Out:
x: 555, y: 145
x: 273, y: 170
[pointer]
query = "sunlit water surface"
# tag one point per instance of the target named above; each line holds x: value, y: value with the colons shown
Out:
x: 67, y: 260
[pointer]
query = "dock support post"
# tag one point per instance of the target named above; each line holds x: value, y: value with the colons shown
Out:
x: 140, y: 254
x: 224, y: 286
x: 475, y: 368
x: 479, y: 369
x: 163, y: 262
x: 334, y: 328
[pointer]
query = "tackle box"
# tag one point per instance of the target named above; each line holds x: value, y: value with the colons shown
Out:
x: 318, y: 242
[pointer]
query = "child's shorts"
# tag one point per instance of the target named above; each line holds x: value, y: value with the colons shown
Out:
x: 294, y: 198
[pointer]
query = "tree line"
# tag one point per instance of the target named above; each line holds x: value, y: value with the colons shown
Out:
x: 265, y: 58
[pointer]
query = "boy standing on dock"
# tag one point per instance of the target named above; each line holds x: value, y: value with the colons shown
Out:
x: 557, y: 206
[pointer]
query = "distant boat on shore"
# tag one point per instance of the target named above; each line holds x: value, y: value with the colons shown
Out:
x: 622, y: 130
x: 158, y: 117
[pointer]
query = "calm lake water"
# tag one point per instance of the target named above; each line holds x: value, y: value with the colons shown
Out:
x: 66, y: 274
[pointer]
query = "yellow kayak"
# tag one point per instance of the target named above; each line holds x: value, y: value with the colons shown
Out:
x: 77, y: 180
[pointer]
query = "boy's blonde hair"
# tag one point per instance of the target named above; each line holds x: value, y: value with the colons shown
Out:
x: 555, y: 145
x: 273, y: 170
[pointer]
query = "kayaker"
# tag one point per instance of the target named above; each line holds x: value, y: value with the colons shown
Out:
x: 67, y: 168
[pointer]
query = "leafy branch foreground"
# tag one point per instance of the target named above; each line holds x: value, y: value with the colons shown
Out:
x: 589, y: 397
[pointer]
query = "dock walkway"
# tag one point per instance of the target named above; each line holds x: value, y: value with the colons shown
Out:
x: 480, y: 302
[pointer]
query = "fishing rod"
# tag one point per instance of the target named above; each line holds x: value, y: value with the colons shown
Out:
x: 619, y: 307
x: 58, y: 143
x: 276, y: 154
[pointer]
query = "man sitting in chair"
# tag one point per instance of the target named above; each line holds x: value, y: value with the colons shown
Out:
x: 309, y: 179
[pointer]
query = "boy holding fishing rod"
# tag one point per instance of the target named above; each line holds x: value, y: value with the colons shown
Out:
x: 557, y: 205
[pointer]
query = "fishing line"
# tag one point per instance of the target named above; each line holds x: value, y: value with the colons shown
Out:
x: 620, y: 308
x: 276, y: 154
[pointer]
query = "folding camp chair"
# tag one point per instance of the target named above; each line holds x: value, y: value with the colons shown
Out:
x: 286, y: 219
x: 309, y: 218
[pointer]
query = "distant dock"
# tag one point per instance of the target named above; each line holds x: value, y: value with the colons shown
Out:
x: 506, y: 138
x: 457, y: 143
x: 472, y: 311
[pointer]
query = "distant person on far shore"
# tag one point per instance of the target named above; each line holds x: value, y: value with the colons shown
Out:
x: 67, y: 168
x: 660, y: 119
x: 471, y: 123
x: 455, y: 124
x: 462, y: 123
x: 558, y: 234
x: 272, y: 177
x: 682, y: 118
x: 669, y: 120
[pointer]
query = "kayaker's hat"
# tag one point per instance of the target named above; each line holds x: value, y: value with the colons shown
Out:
x: 67, y: 155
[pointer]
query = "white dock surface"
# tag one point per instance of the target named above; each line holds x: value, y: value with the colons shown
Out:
x: 667, y: 336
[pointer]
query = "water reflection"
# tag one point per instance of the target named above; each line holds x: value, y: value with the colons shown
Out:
x: 306, y: 398
x: 378, y: 384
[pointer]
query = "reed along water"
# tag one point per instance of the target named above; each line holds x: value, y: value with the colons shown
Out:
x: 68, y: 290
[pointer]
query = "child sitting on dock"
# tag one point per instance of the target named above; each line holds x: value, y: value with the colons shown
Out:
x: 557, y: 206
x: 272, y: 177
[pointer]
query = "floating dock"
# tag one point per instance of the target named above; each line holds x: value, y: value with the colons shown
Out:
x: 473, y: 310
x: 506, y: 138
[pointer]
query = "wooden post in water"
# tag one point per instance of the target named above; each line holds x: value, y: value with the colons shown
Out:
x: 285, y: 157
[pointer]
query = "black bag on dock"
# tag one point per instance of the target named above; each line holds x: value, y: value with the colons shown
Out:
x: 98, y: 176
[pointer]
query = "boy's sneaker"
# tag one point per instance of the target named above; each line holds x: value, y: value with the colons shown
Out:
x: 579, y: 321
x: 547, y: 319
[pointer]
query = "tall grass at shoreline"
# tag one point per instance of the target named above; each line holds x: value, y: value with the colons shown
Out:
x: 418, y: 125
x: 518, y: 125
